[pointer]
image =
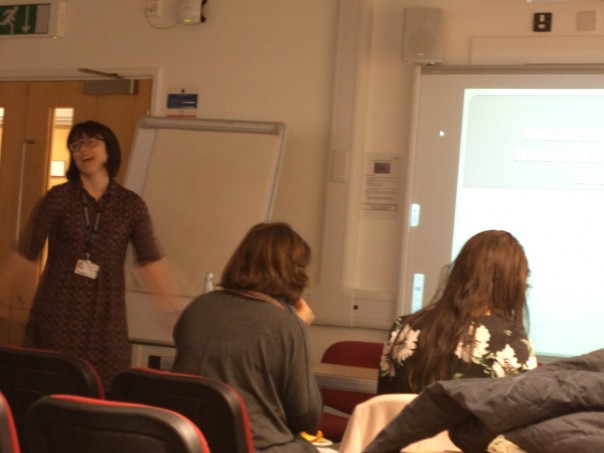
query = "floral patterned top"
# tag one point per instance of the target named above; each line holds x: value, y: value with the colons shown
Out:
x: 501, y: 348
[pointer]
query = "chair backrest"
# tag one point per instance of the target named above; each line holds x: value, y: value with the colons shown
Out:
x: 215, y: 407
x: 371, y: 416
x: 28, y: 374
x: 353, y: 353
x: 74, y: 424
x: 9, y: 443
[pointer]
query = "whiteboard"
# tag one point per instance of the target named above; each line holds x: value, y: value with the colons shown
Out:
x: 205, y: 182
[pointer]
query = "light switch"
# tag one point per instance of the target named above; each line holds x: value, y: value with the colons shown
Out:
x: 339, y: 165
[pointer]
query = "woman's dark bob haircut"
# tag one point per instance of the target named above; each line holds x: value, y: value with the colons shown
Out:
x: 271, y: 259
x: 100, y: 131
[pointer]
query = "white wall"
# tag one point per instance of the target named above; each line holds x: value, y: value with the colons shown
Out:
x: 276, y: 60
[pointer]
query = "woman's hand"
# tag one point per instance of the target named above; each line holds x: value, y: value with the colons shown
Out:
x: 304, y: 312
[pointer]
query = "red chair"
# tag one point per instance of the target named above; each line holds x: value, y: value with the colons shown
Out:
x: 75, y: 424
x: 28, y: 374
x: 9, y: 442
x: 351, y: 353
x: 215, y: 407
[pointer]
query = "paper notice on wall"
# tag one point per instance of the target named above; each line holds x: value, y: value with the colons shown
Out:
x: 381, y: 183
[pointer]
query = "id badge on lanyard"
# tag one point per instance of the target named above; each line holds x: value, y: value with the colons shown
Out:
x: 85, y: 267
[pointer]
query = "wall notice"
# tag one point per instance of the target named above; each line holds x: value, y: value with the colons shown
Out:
x: 381, y: 183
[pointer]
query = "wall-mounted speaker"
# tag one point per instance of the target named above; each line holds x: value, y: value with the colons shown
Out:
x: 422, y: 35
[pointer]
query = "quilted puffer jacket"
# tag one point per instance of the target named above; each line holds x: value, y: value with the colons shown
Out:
x: 556, y: 408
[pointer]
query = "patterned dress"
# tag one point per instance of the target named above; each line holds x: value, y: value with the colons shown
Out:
x: 74, y: 313
x: 501, y: 348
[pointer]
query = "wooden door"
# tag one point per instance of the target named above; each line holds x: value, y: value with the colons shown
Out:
x: 25, y: 160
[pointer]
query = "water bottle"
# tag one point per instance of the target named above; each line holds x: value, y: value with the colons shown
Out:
x: 209, y: 282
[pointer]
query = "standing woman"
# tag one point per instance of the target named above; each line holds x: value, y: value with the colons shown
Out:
x: 252, y: 335
x: 79, y: 306
x: 475, y: 326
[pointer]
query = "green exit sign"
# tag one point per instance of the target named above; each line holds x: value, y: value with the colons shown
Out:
x: 31, y: 19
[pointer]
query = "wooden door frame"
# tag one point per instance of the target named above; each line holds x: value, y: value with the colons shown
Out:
x: 18, y: 307
x: 64, y: 74
x: 73, y: 75
x: 27, y: 75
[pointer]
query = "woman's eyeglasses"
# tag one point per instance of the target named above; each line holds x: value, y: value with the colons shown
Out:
x: 89, y: 142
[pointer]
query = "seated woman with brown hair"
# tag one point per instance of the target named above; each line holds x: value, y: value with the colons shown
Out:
x: 473, y: 328
x: 252, y: 336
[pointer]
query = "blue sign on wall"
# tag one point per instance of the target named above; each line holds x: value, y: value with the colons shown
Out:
x: 182, y: 101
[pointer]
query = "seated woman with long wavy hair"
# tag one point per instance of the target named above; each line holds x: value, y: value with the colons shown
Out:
x: 473, y: 328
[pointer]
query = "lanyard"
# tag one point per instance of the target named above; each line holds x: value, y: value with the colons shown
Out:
x: 91, y: 229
